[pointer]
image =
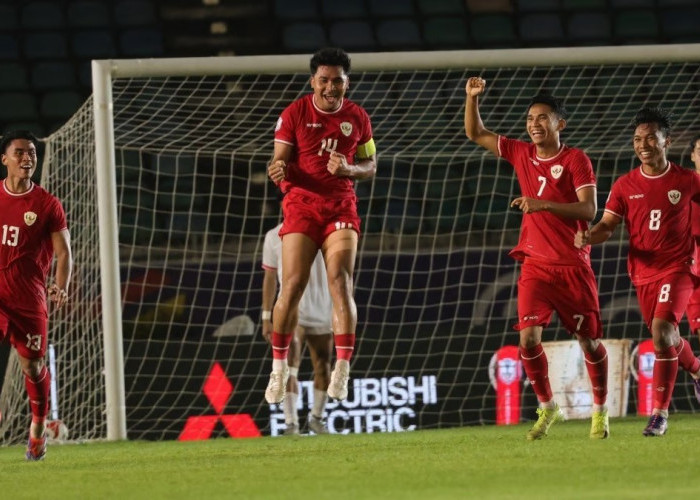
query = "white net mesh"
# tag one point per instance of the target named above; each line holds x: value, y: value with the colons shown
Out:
x: 434, y: 286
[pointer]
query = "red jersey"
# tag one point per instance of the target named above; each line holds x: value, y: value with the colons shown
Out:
x: 27, y: 221
x: 314, y: 134
x: 695, y: 222
x: 657, y: 213
x: 544, y: 236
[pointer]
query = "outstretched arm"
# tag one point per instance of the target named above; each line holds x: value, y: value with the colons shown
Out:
x: 599, y: 233
x: 473, y: 126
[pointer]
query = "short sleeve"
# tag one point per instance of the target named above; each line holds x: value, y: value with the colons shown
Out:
x: 582, y: 170
x: 284, y: 128
x: 57, y: 216
x: 615, y: 204
x: 696, y: 187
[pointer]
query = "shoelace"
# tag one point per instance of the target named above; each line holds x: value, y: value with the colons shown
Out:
x: 656, y: 421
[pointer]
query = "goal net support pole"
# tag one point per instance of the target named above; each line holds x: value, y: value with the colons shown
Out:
x: 170, y: 153
x: 103, y: 73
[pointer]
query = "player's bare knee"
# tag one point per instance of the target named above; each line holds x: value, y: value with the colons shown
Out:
x: 31, y: 367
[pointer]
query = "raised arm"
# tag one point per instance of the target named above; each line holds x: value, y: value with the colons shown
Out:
x: 473, y: 126
x: 599, y: 233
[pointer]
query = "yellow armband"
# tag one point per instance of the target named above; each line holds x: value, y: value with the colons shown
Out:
x: 366, y: 150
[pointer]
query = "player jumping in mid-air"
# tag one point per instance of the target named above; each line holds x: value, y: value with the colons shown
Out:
x: 323, y: 143
x: 558, y: 199
x: 655, y: 201
x: 33, y: 230
x: 314, y: 329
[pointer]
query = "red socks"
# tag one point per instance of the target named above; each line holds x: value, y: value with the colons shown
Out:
x: 664, y: 377
x: 537, y: 370
x: 686, y: 358
x: 280, y: 345
x: 597, y: 366
x: 344, y: 345
x: 38, y: 392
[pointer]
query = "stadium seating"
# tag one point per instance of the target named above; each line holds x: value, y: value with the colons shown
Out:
x: 297, y: 10
x: 353, y: 35
x: 441, y: 7
x: 46, y: 44
x: 132, y: 13
x: 390, y: 8
x: 88, y: 14
x: 442, y: 33
x: 538, y: 6
x: 541, y: 29
x: 13, y: 76
x: 8, y: 17
x: 303, y: 37
x: 636, y: 26
x: 681, y: 25
x: 93, y: 44
x: 493, y: 30
x: 399, y: 34
x: 48, y: 75
x: 344, y: 9
x: 589, y: 28
x: 43, y: 15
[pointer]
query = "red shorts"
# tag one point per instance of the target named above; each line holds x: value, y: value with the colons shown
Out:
x: 26, y: 333
x: 317, y: 217
x: 692, y: 312
x: 571, y: 291
x: 666, y: 298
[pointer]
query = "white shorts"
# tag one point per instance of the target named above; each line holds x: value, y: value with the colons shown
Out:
x: 315, y: 330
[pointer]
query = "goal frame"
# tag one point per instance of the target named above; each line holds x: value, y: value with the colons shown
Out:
x: 105, y: 71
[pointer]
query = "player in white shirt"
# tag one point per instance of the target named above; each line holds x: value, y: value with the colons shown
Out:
x: 313, y: 326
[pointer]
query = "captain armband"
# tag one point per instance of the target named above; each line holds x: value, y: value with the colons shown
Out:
x: 366, y: 150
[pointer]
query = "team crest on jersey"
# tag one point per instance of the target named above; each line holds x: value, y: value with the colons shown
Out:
x: 346, y: 128
x: 556, y: 171
x: 674, y: 196
x: 29, y: 218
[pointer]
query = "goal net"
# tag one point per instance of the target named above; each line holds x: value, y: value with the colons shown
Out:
x: 434, y: 285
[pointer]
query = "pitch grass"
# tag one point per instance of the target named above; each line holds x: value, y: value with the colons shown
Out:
x: 463, y: 463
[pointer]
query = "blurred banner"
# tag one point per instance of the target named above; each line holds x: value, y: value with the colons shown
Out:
x: 571, y: 386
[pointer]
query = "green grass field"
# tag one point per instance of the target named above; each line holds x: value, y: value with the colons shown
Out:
x: 469, y: 462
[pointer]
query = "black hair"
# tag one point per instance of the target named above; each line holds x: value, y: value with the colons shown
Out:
x: 330, y: 56
x: 694, y: 141
x: 654, y: 115
x: 556, y: 104
x: 11, y: 135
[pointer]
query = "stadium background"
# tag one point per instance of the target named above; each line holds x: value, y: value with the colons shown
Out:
x: 46, y: 48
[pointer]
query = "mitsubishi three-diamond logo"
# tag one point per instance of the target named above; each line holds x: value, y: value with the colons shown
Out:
x: 218, y: 389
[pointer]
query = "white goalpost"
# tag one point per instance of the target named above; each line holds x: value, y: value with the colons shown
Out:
x: 162, y: 174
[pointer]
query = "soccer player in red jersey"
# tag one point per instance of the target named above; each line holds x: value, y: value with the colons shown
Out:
x: 558, y: 199
x: 693, y: 310
x: 654, y: 200
x: 323, y: 143
x: 34, y: 228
